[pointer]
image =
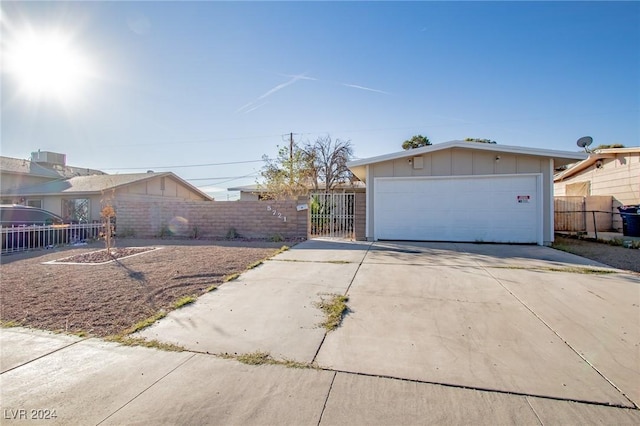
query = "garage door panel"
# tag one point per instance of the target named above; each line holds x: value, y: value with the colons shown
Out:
x: 480, y: 208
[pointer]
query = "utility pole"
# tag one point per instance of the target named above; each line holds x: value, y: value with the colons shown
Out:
x: 290, y: 158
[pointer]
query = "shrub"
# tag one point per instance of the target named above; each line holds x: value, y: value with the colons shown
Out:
x: 232, y: 233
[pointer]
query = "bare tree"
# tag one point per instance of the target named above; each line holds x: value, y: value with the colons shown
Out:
x: 329, y: 160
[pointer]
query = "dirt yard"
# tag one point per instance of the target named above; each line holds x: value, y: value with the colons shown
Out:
x: 107, y: 299
x: 616, y: 256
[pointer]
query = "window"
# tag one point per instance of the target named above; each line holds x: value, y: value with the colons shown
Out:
x: 76, y: 210
x: 161, y: 184
x: 34, y: 203
x: 581, y: 189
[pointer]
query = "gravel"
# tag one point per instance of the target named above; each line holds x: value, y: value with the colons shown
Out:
x: 615, y: 256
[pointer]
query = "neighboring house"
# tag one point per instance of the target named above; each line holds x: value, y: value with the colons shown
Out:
x: 462, y: 191
x: 81, y: 198
x: 612, y: 173
x: 257, y: 192
x: 42, y: 167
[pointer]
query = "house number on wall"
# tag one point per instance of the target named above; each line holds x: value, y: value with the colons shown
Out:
x: 276, y: 213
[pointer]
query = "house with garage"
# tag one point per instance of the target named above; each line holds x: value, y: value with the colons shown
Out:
x: 607, y: 179
x: 462, y: 191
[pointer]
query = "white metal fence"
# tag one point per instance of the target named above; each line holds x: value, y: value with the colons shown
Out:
x: 332, y: 214
x: 23, y: 238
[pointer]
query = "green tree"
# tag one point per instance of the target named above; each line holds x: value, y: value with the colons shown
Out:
x: 605, y: 146
x: 479, y: 140
x: 287, y: 175
x: 416, y: 141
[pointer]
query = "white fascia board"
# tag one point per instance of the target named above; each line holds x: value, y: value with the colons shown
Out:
x: 568, y: 155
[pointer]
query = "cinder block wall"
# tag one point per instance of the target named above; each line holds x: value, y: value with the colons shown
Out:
x: 150, y: 217
x: 360, y: 221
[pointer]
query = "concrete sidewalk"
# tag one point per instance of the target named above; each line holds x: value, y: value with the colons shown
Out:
x: 83, y: 382
x: 436, y: 334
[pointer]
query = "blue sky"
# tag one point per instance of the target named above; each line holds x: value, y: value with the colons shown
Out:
x: 177, y: 85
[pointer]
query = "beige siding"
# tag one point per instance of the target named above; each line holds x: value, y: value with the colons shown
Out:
x: 153, y: 187
x: 526, y: 164
x: 506, y: 165
x: 441, y: 163
x: 462, y: 163
x: 383, y: 169
x: 618, y: 177
x: 484, y: 163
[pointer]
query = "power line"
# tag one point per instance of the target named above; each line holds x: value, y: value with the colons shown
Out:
x: 224, y: 177
x: 198, y: 141
x: 235, y: 178
x: 183, y: 166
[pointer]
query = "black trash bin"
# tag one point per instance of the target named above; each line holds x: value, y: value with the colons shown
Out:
x: 630, y: 220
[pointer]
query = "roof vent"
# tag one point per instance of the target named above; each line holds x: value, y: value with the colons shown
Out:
x: 47, y: 157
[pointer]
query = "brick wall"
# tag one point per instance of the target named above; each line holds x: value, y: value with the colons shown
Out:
x: 151, y: 217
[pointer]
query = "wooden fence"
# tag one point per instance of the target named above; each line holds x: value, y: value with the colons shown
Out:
x: 583, y: 214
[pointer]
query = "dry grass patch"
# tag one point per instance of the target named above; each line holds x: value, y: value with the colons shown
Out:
x: 334, y: 307
x: 265, y: 358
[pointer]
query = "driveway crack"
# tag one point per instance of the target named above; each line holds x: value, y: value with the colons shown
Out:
x: 345, y: 294
x: 574, y: 350
x: 147, y: 388
x: 534, y: 410
x: 45, y: 355
x: 324, y: 406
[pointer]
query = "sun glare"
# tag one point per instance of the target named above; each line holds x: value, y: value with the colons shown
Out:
x: 46, y: 65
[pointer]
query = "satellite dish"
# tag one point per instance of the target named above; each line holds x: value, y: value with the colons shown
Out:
x: 584, y: 142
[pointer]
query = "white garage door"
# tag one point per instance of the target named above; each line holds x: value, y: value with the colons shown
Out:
x: 502, y: 209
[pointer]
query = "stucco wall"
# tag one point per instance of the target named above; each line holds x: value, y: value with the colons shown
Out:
x: 253, y: 219
x: 465, y: 162
x: 11, y: 181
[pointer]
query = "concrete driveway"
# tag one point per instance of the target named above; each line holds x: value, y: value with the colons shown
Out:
x: 518, y: 319
x: 436, y: 333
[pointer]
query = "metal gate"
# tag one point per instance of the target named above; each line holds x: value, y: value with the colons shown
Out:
x: 331, y: 214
